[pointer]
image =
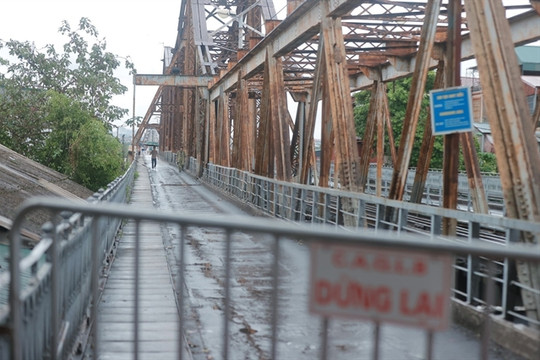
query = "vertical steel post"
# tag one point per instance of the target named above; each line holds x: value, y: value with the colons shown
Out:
x: 339, y: 102
x: 516, y: 148
x: 490, y: 299
x: 94, y: 321
x: 133, y: 124
x: 451, y: 141
x: 376, y: 340
x: 180, y: 288
x: 275, y: 298
x: 55, y: 289
x: 429, y: 345
x: 324, y: 338
x: 228, y: 241
x: 136, y: 289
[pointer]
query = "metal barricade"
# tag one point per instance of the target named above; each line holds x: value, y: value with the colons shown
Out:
x: 280, y: 232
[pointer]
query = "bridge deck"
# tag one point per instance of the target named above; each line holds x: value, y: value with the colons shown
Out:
x: 158, y: 311
x: 250, y: 338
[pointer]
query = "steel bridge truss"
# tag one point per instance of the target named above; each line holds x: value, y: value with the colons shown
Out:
x: 235, y: 67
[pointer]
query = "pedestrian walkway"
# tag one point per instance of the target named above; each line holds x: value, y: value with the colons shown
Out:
x: 250, y: 292
x: 158, y: 335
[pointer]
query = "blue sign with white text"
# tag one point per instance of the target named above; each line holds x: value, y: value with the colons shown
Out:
x: 451, y: 110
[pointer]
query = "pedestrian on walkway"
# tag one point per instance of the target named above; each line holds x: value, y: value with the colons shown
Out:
x: 181, y: 159
x: 154, y: 157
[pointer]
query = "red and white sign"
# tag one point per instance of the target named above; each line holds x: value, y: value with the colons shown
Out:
x: 388, y: 286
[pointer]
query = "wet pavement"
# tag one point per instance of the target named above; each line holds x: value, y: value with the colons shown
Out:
x: 299, y: 332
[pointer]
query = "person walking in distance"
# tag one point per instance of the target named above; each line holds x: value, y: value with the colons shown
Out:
x: 181, y: 159
x: 154, y: 157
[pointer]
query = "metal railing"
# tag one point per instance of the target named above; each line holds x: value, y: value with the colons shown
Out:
x: 311, y: 204
x: 433, y: 190
x: 55, y: 289
x: 49, y: 307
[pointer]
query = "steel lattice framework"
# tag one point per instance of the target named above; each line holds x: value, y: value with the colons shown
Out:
x: 235, y: 68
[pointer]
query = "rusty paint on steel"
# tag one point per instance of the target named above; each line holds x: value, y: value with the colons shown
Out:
x: 536, y: 114
x: 263, y: 166
x: 515, y: 144
x: 224, y: 129
x: 474, y: 176
x: 315, y: 94
x: 476, y: 187
x: 304, y: 23
x: 426, y: 149
x: 536, y: 5
x: 451, y: 141
x: 383, y: 118
x: 327, y: 141
x: 340, y: 104
x: 278, y: 110
x: 369, y: 134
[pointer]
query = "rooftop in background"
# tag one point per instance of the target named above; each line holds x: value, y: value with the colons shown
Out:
x: 529, y: 59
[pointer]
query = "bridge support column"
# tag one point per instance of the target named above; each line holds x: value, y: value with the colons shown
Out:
x: 339, y: 101
x: 516, y: 147
x: 426, y: 149
x: 378, y: 118
x: 273, y: 147
x: 224, y: 131
x: 451, y: 141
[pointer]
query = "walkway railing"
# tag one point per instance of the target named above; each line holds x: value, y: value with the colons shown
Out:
x: 311, y: 204
x: 49, y: 307
x: 433, y: 190
x: 26, y: 315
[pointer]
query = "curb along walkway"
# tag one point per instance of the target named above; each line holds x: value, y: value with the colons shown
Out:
x: 158, y: 312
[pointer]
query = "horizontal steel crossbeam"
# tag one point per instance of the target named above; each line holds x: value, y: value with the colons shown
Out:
x: 187, y: 81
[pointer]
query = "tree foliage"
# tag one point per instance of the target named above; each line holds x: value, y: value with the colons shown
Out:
x: 94, y: 156
x: 83, y: 71
x: 65, y: 118
x: 136, y: 121
x: 52, y: 102
x: 22, y: 114
x: 398, y: 97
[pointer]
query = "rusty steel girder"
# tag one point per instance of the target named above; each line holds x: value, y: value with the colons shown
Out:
x: 516, y: 147
x: 381, y: 41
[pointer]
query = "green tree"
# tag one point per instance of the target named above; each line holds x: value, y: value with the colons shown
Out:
x: 50, y: 102
x: 96, y: 156
x: 136, y: 121
x: 488, y: 162
x: 22, y: 125
x: 398, y: 97
x: 83, y: 71
x: 65, y: 118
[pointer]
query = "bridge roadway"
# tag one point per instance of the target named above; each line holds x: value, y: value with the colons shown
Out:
x: 299, y: 332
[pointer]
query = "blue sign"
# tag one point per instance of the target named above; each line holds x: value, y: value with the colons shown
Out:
x: 451, y: 110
